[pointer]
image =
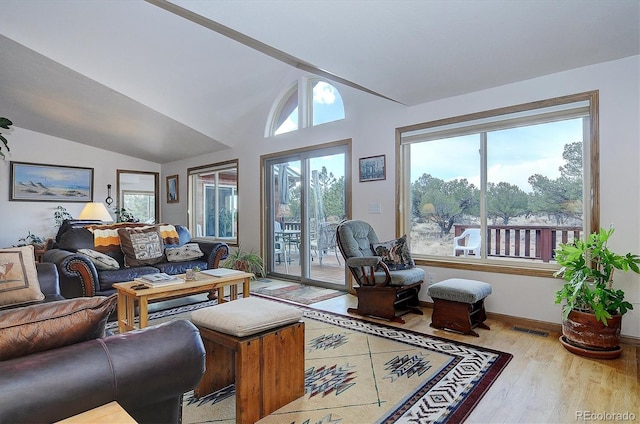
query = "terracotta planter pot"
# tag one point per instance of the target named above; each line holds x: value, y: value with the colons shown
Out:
x: 581, y: 329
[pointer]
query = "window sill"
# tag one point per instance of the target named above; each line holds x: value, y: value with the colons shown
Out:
x: 514, y: 269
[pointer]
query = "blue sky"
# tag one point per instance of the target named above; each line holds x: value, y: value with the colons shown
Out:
x: 513, y: 155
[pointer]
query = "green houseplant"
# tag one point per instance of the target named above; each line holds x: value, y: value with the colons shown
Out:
x: 5, y: 124
x: 245, y: 261
x: 593, y: 308
x: 60, y: 214
x: 37, y: 241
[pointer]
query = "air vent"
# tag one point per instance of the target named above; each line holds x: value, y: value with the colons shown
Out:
x: 530, y: 331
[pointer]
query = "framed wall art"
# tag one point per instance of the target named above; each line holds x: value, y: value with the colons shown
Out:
x: 172, y: 189
x: 373, y: 168
x: 34, y: 182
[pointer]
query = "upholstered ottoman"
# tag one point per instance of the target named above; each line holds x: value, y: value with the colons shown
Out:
x: 258, y: 345
x: 458, y: 304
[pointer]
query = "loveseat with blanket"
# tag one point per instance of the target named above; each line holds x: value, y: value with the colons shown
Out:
x: 91, y: 258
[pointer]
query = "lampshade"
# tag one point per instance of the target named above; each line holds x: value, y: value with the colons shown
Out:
x: 96, y: 211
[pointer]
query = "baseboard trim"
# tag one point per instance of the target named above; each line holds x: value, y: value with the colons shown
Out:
x: 538, y: 325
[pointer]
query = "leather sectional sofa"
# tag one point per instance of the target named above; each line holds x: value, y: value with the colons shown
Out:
x: 146, y: 371
x: 80, y: 277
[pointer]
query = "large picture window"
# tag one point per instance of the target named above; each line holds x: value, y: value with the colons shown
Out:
x: 213, y: 201
x: 501, y: 187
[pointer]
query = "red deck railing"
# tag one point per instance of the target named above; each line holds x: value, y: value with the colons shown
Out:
x: 530, y: 242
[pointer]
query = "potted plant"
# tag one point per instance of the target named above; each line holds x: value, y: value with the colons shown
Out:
x: 60, y: 215
x: 245, y: 261
x: 37, y: 241
x: 5, y: 124
x: 593, y: 308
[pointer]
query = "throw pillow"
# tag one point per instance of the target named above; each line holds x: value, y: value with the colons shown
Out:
x: 141, y: 246
x: 36, y: 328
x: 18, y: 277
x: 100, y: 260
x: 395, y: 253
x: 187, y: 252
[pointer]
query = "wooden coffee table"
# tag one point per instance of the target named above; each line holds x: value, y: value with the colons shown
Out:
x: 127, y: 296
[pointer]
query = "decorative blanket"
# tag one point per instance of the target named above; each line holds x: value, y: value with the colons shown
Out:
x: 106, y: 239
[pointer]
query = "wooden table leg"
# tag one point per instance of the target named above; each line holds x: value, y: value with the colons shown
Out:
x: 122, y: 312
x: 246, y: 287
x: 131, y: 313
x: 143, y: 306
x: 233, y: 292
x: 221, y: 295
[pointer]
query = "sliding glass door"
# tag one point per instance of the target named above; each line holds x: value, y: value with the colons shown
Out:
x: 306, y: 198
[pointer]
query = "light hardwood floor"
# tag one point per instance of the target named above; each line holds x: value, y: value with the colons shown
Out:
x: 543, y: 383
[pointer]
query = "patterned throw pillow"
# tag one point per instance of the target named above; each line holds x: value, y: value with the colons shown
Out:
x: 394, y: 253
x: 141, y: 246
x: 18, y: 277
x: 100, y: 260
x: 186, y: 252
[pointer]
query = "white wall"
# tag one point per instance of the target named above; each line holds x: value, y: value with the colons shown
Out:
x: 371, y: 124
x: 18, y: 218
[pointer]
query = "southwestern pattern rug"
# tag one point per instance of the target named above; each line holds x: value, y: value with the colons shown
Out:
x: 363, y: 372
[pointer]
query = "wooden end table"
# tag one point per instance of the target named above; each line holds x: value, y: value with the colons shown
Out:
x: 110, y: 413
x: 127, y: 296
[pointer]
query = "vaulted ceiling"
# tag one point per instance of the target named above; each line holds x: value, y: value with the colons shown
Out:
x: 162, y: 80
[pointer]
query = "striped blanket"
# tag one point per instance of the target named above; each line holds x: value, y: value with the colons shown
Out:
x: 106, y: 239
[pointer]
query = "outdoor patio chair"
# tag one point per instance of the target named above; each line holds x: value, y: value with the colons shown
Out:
x: 323, y: 239
x: 472, y: 244
x: 382, y: 292
x: 280, y: 247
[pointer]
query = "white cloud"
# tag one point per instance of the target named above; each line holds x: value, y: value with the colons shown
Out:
x: 324, y: 93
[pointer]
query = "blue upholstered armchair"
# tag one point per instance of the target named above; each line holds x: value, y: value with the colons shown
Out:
x: 381, y: 291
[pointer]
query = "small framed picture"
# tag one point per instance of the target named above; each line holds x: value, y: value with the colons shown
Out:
x: 172, y: 189
x: 373, y: 168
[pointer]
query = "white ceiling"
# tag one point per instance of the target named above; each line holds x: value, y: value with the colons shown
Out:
x: 138, y: 79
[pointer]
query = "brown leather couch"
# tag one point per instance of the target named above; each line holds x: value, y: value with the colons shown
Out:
x: 145, y: 371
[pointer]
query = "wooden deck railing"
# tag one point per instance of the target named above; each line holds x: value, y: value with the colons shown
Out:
x: 524, y: 242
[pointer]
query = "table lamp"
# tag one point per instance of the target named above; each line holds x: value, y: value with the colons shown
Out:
x: 95, y: 211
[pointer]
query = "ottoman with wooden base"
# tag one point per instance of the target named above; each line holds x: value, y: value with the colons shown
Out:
x: 458, y: 305
x: 258, y: 345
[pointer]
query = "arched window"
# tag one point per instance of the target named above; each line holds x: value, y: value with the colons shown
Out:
x: 326, y: 103
x: 287, y: 115
x: 321, y: 103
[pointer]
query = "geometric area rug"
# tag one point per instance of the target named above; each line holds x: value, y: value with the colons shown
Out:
x: 362, y: 372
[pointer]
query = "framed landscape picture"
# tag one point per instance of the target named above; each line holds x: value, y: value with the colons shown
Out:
x: 172, y: 189
x: 34, y: 182
x: 372, y: 168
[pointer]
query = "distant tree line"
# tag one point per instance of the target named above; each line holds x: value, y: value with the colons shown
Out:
x: 446, y: 202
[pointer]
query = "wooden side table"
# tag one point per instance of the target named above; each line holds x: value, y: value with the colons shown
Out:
x: 110, y: 413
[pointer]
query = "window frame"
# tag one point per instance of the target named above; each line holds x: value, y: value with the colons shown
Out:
x: 591, y: 198
x: 151, y: 195
x: 216, y: 168
x: 304, y: 90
